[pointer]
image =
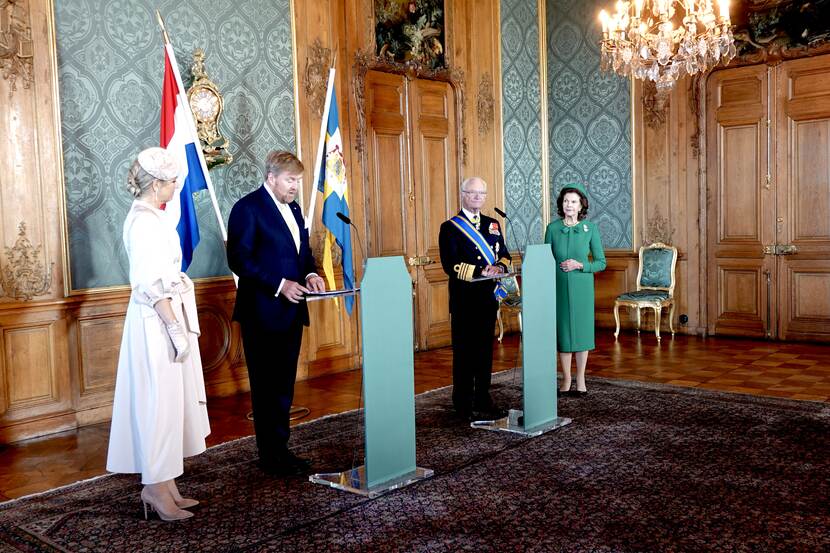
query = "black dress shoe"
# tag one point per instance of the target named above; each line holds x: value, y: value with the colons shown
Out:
x: 567, y: 393
x: 280, y: 469
x: 491, y: 413
x: 288, y: 458
x: 285, y: 464
x: 581, y: 393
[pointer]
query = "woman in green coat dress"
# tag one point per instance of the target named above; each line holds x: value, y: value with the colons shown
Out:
x: 571, y: 238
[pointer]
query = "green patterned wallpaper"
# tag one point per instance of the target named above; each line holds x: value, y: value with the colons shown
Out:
x: 521, y: 113
x: 110, y: 60
x: 589, y: 119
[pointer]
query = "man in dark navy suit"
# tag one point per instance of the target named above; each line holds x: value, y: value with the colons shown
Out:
x: 268, y: 249
x: 472, y: 246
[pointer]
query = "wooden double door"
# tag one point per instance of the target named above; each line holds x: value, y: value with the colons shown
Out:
x: 412, y: 186
x: 768, y: 174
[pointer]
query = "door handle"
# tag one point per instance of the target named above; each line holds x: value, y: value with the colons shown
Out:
x: 780, y: 249
x: 420, y: 261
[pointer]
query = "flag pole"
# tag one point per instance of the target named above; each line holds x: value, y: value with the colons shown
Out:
x: 321, y: 146
x: 163, y: 29
x: 192, y: 129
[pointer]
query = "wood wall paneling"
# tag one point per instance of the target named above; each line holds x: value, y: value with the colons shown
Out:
x: 323, y: 28
x: 802, y: 131
x: 810, y: 180
x: 666, y: 190
x: 741, y: 207
x: 35, y: 382
x: 388, y: 161
x: 99, y: 344
x: 435, y: 181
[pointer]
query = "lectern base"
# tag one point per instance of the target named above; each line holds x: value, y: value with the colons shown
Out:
x: 354, y: 481
x: 514, y: 423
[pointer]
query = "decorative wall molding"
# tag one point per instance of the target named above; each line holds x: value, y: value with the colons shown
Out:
x: 485, y: 104
x: 16, y: 45
x: 23, y: 275
x: 317, y: 250
x: 696, y: 101
x: 317, y: 64
x: 771, y: 31
x: 655, y: 106
x: 658, y: 229
x: 366, y: 61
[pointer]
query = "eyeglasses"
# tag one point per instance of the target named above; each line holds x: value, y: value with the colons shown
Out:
x: 474, y: 193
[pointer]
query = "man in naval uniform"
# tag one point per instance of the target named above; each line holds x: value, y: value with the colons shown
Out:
x: 472, y: 246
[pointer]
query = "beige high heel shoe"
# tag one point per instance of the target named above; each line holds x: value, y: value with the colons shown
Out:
x: 181, y: 502
x: 150, y: 505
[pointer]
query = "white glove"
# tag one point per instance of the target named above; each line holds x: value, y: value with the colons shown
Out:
x: 178, y: 335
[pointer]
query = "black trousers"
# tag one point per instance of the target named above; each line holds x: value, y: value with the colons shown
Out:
x: 472, y: 356
x: 272, y: 369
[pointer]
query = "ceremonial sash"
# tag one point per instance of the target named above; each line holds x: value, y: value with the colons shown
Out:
x: 474, y: 236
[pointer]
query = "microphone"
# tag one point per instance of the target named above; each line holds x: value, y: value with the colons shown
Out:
x: 510, y: 228
x: 345, y: 218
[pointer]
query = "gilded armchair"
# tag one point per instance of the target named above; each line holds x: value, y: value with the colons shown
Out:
x: 655, y: 286
x: 511, y: 302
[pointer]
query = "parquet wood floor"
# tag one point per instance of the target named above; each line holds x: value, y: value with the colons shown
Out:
x: 788, y: 370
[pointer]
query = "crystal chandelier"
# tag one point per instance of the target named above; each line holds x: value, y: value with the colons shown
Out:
x: 648, y: 39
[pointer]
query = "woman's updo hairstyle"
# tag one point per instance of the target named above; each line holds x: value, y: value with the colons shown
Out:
x: 151, y: 165
x: 138, y: 179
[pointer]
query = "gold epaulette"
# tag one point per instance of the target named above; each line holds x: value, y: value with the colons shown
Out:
x: 464, y: 271
x: 508, y: 265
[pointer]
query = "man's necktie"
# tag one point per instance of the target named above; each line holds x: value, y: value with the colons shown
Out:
x: 475, y: 220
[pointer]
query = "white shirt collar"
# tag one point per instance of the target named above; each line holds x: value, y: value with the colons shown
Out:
x: 470, y: 214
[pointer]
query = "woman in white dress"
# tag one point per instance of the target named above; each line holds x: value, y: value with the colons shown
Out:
x: 159, y: 414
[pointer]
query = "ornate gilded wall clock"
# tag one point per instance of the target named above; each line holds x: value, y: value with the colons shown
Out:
x: 206, y: 103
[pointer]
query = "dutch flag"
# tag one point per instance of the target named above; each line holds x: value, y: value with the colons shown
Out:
x: 178, y: 136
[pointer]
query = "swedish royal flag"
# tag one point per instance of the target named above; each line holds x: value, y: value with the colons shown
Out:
x: 332, y: 184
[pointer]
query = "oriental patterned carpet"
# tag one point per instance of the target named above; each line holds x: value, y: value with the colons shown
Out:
x: 642, y: 468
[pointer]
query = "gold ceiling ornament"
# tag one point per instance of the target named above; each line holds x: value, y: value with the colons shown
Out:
x: 207, y: 104
x: 485, y: 104
x: 317, y: 65
x: 16, y: 45
x: 24, y: 276
x: 664, y: 40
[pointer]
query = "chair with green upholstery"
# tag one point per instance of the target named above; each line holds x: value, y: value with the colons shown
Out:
x: 655, y: 286
x: 511, y: 302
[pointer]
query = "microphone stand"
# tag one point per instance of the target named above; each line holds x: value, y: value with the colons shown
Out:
x: 355, y: 449
x: 345, y: 218
x: 521, y: 333
x: 510, y: 229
